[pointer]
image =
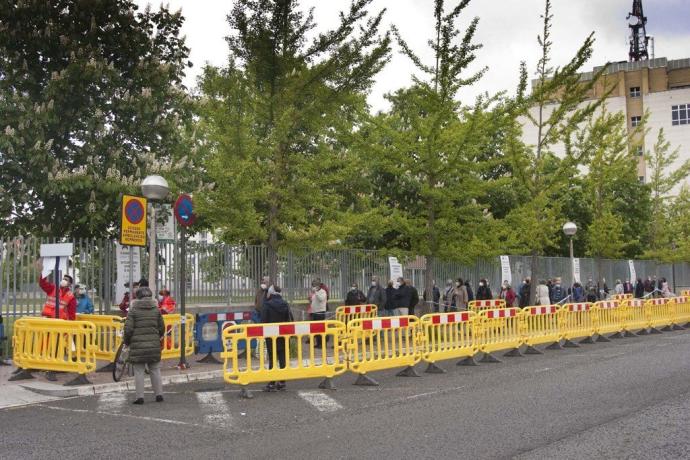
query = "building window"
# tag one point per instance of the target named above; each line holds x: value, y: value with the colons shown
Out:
x: 635, y: 91
x: 680, y: 114
x: 641, y: 179
x: 635, y: 121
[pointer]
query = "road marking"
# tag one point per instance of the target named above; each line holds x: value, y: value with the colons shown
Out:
x: 542, y: 370
x: 138, y: 417
x: 112, y: 402
x: 322, y: 402
x: 216, y: 411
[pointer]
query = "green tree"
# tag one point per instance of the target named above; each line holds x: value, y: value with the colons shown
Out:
x: 91, y: 101
x: 554, y: 110
x: 274, y: 121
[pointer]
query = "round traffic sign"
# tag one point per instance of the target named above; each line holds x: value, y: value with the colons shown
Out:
x: 134, y: 211
x: 184, y: 210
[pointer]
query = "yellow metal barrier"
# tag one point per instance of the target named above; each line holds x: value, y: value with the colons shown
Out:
x: 576, y: 321
x: 621, y: 297
x: 608, y: 317
x: 383, y: 343
x: 499, y: 330
x: 311, y: 362
x: 347, y: 313
x: 635, y: 316
x: 659, y: 313
x: 540, y: 325
x: 108, y: 335
x: 480, y: 305
x: 172, y: 339
x: 448, y: 336
x: 685, y: 293
x: 54, y: 345
x: 682, y: 310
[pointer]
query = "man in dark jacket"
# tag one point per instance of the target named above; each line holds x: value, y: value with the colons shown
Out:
x: 525, y: 293
x: 355, y: 296
x: 389, y: 308
x: 557, y: 292
x: 275, y: 310
x: 483, y: 291
x: 470, y: 292
x: 144, y: 329
x: 436, y: 297
x: 414, y: 297
x: 377, y: 294
x: 402, y: 298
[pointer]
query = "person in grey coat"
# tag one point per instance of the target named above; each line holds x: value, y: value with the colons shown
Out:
x: 377, y: 295
x: 144, y: 330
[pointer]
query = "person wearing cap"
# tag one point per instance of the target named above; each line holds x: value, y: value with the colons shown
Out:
x: 275, y: 310
x: 68, y: 303
x: 84, y: 303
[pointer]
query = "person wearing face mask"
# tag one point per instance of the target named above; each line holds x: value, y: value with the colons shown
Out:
x: 319, y: 305
x: 377, y: 295
x: 261, y: 293
x: 483, y: 291
x: 389, y: 309
x: 84, y: 303
x: 460, y: 297
x: 68, y: 303
x: 355, y: 296
x: 166, y: 304
x: 436, y: 297
x: 448, y: 300
x: 403, y: 298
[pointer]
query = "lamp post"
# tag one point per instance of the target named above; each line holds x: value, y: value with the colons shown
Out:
x: 569, y: 229
x: 154, y: 188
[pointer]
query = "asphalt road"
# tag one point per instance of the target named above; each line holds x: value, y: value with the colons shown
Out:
x: 629, y: 398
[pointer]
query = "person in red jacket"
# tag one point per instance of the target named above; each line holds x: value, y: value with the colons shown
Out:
x: 68, y: 303
x: 166, y: 304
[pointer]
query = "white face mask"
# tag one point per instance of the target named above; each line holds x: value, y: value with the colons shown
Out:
x: 353, y: 288
x: 396, y: 285
x: 263, y: 286
x: 481, y: 284
x: 457, y: 284
x: 64, y: 283
x: 314, y: 289
x: 373, y: 283
x: 160, y: 298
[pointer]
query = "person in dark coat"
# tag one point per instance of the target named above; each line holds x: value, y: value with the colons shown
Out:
x: 275, y: 310
x: 639, y: 289
x: 377, y: 294
x: 402, y: 298
x: 525, y: 293
x: 470, y: 292
x: 389, y: 309
x: 414, y: 297
x: 436, y: 297
x: 483, y: 291
x: 144, y: 330
x: 355, y: 296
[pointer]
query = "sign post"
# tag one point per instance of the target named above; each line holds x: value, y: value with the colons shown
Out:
x: 133, y: 229
x: 506, y: 274
x: 184, y: 213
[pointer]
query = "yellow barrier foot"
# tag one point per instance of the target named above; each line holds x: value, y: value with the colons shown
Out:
x: 365, y: 380
x: 627, y: 333
x: 327, y: 384
x: 209, y: 359
x: 246, y: 394
x: 50, y: 375
x: 667, y: 328
x: 107, y: 368
x: 23, y: 374
x: 469, y: 361
x: 602, y: 338
x: 4, y: 363
x: 489, y: 358
x: 555, y: 346
x: 617, y: 335
x: 434, y: 369
x: 587, y: 340
x: 408, y: 372
x: 654, y: 330
x: 570, y: 344
x: 533, y: 351
x: 643, y: 332
x: 678, y: 327
x: 514, y: 353
x: 78, y: 380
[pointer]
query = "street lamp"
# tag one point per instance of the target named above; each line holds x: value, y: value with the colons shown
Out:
x: 569, y: 228
x: 154, y: 188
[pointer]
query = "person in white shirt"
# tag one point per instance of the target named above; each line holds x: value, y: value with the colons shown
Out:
x: 319, y: 305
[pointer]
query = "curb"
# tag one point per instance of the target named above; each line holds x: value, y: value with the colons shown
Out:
x: 59, y: 391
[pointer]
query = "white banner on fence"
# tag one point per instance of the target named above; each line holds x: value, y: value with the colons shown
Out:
x: 165, y: 233
x: 576, y: 270
x: 633, y: 275
x: 396, y: 268
x: 123, y: 269
x: 506, y: 274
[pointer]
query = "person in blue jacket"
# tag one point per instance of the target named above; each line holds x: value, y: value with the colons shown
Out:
x: 84, y: 303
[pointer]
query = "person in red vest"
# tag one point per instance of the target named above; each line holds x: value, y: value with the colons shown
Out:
x: 68, y: 302
x: 166, y: 304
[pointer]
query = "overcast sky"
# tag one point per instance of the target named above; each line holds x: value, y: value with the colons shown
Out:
x: 507, y: 29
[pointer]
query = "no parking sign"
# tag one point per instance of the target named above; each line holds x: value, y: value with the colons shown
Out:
x: 133, y: 221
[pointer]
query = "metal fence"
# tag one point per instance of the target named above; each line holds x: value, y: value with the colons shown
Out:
x: 220, y: 274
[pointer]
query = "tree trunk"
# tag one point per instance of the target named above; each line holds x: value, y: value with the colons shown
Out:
x: 273, y: 243
x: 428, y: 284
x: 534, y: 275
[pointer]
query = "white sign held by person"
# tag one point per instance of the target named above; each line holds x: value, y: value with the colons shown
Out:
x: 576, y: 270
x: 123, y: 269
x: 506, y: 274
x: 633, y: 275
x: 396, y: 268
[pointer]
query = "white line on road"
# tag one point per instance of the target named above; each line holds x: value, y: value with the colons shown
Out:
x: 138, y: 417
x: 216, y: 411
x: 112, y: 402
x: 322, y: 402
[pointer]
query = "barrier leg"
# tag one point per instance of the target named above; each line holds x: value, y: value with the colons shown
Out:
x: 627, y: 333
x: 327, y: 384
x: 365, y: 380
x: 107, y: 368
x: 22, y: 374
x: 570, y: 344
x: 209, y: 359
x: 489, y: 358
x: 469, y: 361
x: 78, y: 380
x: 667, y: 328
x: 514, y: 353
x: 50, y: 375
x: 534, y: 350
x: 555, y: 346
x: 653, y: 330
x: 587, y: 340
x: 245, y: 393
x: 600, y: 338
x: 617, y: 335
x: 4, y: 363
x: 678, y: 327
x: 432, y: 368
x: 408, y: 372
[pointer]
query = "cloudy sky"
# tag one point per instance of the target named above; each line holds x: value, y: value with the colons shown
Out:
x: 507, y: 29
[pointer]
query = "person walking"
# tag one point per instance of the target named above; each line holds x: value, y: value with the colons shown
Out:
x: 84, y: 303
x: 319, y: 305
x: 483, y: 291
x: 543, y: 293
x: 355, y: 296
x: 276, y: 310
x: 377, y: 294
x: 525, y: 293
x: 144, y: 330
x: 389, y: 309
x: 460, y: 297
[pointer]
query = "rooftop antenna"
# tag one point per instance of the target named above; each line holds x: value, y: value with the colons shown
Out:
x: 638, y: 36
